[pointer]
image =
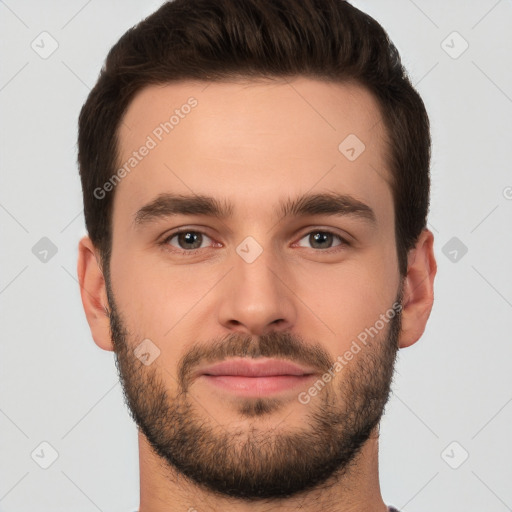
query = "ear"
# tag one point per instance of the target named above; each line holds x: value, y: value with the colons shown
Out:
x: 94, y: 293
x: 418, y: 297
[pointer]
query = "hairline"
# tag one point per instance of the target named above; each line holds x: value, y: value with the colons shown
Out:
x: 248, y: 79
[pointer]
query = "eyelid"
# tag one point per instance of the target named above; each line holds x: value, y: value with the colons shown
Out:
x: 166, y: 241
x: 311, y: 229
x: 344, y: 242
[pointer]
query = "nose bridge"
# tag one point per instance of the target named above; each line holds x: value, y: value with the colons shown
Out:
x: 254, y: 297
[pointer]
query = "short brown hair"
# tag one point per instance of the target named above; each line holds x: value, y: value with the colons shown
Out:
x: 222, y: 40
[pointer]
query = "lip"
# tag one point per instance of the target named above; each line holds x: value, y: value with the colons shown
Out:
x: 261, y: 367
x: 249, y: 377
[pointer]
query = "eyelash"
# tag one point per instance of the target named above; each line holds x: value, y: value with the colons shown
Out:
x: 174, y: 250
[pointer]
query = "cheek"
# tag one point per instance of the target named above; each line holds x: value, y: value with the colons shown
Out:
x: 138, y: 290
x: 174, y: 305
x: 344, y: 300
x: 158, y: 300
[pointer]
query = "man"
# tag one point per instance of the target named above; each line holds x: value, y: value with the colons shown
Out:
x: 256, y: 188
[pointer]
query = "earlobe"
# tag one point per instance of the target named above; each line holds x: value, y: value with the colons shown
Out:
x: 418, y: 292
x: 94, y: 294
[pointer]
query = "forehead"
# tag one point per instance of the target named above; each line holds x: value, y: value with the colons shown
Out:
x: 250, y: 141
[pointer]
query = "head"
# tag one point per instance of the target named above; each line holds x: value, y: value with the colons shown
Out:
x: 262, y: 130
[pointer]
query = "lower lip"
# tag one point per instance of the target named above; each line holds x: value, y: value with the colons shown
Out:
x: 250, y: 386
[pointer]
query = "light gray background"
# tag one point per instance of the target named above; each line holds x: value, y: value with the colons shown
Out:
x: 454, y: 385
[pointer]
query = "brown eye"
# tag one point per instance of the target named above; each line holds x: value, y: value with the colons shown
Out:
x: 323, y: 240
x: 186, y: 240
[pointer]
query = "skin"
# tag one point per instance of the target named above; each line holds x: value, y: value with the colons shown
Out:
x: 255, y: 144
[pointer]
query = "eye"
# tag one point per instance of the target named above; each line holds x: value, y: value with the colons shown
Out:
x: 187, y: 240
x: 320, y: 239
x: 190, y: 241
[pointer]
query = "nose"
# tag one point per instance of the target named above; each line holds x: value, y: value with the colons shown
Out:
x: 257, y: 297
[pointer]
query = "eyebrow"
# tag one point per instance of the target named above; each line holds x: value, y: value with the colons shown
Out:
x: 168, y: 205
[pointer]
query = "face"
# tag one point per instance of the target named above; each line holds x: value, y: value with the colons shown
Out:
x: 257, y: 227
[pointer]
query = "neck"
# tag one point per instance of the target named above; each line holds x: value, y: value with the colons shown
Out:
x: 162, y: 489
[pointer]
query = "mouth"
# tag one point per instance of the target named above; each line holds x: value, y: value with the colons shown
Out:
x: 249, y: 377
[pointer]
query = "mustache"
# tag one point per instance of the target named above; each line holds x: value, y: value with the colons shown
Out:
x: 273, y: 344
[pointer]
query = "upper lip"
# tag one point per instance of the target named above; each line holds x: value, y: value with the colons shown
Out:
x: 261, y: 367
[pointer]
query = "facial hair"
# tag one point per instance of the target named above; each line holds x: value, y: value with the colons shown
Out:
x: 252, y: 463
